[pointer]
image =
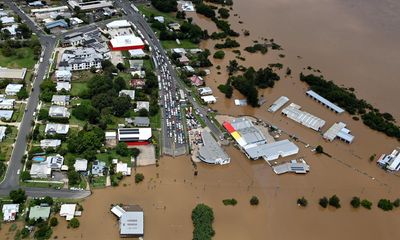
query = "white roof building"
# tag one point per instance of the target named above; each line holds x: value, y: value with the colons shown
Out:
x: 59, y: 112
x: 6, y: 114
x: 63, y: 75
x: 60, y: 100
x: 392, y: 161
x: 7, y: 20
x: 205, y: 91
x: 134, y: 134
x: 126, y: 41
x: 12, y: 73
x: 12, y: 29
x: 129, y: 93
x: 306, y: 119
x: 7, y: 103
x: 10, y: 212
x: 49, y: 9
x: 137, y: 53
x: 209, y: 99
x: 118, y: 24
x: 90, y: 5
x: 63, y: 85
x: 40, y: 170
x: 12, y: 89
x: 123, y: 168
x: 53, y: 143
x: 278, y: 104
x: 56, y: 128
x: 111, y: 135
x: 2, y: 132
x: 55, y: 161
x: 131, y: 220
x: 160, y: 19
x: 118, y: 211
x: 81, y: 165
x: 339, y: 130
x: 68, y: 211
x: 298, y: 167
x: 142, y: 104
x: 324, y: 101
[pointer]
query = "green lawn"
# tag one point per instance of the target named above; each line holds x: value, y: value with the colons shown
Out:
x: 184, y: 44
x: 99, y: 182
x: 155, y: 121
x: 23, y: 57
x: 148, y: 64
x: 5, y: 145
x: 149, y: 10
x: 77, y: 87
x: 42, y: 185
x: 110, y: 155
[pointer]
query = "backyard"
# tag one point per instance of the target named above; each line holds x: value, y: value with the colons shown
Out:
x: 23, y: 57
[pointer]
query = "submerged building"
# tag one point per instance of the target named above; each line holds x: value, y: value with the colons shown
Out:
x: 211, y: 152
x: 391, y: 161
x: 253, y: 143
x: 339, y: 130
x: 304, y: 118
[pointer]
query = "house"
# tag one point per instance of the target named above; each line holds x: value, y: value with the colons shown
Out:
x: 189, y: 69
x: 131, y: 220
x: 55, y: 162
x: 68, y: 211
x: 6, y: 114
x: 205, y: 91
x: 196, y: 80
x: 75, y: 21
x: 129, y: 93
x: 391, y: 161
x: 179, y: 51
x: 7, y: 20
x: 60, y: 100
x: 12, y: 89
x: 184, y: 60
x: 141, y: 121
x: 138, y: 73
x: 136, y: 64
x: 11, y: 29
x: 40, y: 170
x: 142, y: 104
x: 63, y: 75
x: 80, y: 165
x: 137, y: 83
x: 73, y: 39
x: 98, y: 168
x: 36, y: 4
x: 159, y: 18
x: 10, y: 212
x: 175, y: 26
x: 3, y: 130
x: 90, y: 5
x: 58, y: 112
x: 123, y: 168
x: 12, y: 73
x: 209, y: 99
x: 50, y: 143
x: 118, y: 24
x: 56, y: 25
x: 134, y: 136
x: 186, y: 6
x: 37, y: 212
x: 126, y: 42
x: 6, y: 103
x: 111, y: 135
x: 63, y: 85
x: 56, y: 128
x: 81, y: 59
x: 294, y: 112
x: 137, y: 53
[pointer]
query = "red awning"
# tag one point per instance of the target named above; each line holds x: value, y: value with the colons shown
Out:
x: 228, y: 127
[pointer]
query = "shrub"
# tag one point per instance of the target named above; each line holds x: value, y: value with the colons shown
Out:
x: 139, y: 177
x: 74, y: 223
x: 219, y: 54
x: 53, y: 222
x: 334, y: 201
x: 202, y: 217
x: 230, y: 201
x: 254, y: 201
x: 396, y: 203
x: 302, y: 202
x: 355, y: 202
x: 323, y: 202
x: 319, y: 149
x: 385, y: 205
x: 366, y: 204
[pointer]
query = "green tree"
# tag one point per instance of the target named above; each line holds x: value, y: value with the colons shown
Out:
x: 139, y: 177
x: 319, y: 149
x: 122, y: 149
x: 254, y: 201
x: 44, y: 231
x: 22, y: 94
x: 74, y: 223
x: 232, y: 67
x: 18, y: 196
x: 355, y: 202
x: 25, y: 232
x: 134, y: 152
x: 25, y: 175
x: 385, y: 205
x: 73, y: 177
x: 219, y: 54
x: 53, y: 222
x: 143, y: 112
x: 334, y: 201
x: 323, y: 202
x: 366, y: 204
x: 121, y: 67
x: 121, y: 105
x: 302, y: 202
x: 396, y: 203
x: 43, y: 114
x: 229, y: 201
x: 203, y: 217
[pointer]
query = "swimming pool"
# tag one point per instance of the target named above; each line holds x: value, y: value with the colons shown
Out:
x: 39, y: 158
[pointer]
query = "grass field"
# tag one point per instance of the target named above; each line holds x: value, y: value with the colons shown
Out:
x: 184, y: 44
x: 42, y: 185
x: 77, y: 88
x: 5, y: 145
x: 23, y: 57
x: 99, y: 182
x: 149, y: 10
x: 110, y: 155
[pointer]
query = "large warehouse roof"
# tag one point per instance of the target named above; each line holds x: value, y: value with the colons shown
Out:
x: 293, y: 112
x: 324, y: 101
x: 134, y: 134
x: 118, y: 24
x: 126, y: 41
x: 211, y: 151
x: 272, y: 151
x: 278, y: 104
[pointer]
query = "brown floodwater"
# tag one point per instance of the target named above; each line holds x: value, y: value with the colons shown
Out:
x: 354, y: 43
